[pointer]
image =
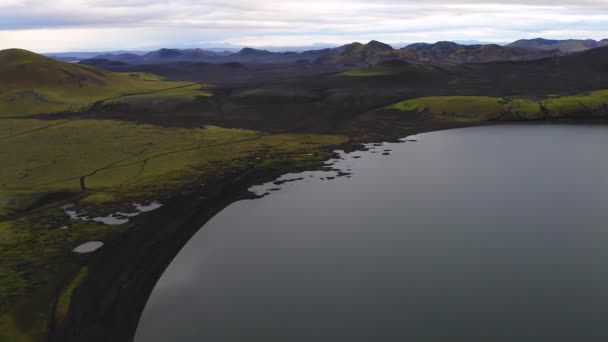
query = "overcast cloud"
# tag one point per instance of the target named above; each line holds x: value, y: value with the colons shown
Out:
x: 136, y: 24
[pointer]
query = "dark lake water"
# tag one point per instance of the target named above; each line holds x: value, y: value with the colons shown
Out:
x: 481, y: 234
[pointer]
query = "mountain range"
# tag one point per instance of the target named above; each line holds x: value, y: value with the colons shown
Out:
x: 245, y: 55
x: 440, y: 52
x: 358, y: 54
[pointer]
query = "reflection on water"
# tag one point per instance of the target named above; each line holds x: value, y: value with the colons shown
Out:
x: 480, y: 234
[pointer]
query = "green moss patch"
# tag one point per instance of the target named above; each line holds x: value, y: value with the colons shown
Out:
x: 594, y: 102
x: 143, y: 76
x: 481, y: 108
x: 457, y: 108
x: 52, y: 156
x: 65, y: 298
x: 36, y: 262
x: 368, y: 72
x: 163, y: 100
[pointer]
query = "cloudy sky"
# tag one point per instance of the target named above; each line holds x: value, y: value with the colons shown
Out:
x: 97, y: 25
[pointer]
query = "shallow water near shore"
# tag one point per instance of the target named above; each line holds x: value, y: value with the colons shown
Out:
x: 495, y: 233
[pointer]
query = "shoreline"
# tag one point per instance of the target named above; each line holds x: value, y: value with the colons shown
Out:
x: 108, y: 304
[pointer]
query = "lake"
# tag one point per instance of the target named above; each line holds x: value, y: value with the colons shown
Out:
x: 496, y: 233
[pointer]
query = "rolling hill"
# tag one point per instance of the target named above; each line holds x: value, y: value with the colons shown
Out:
x: 176, y: 55
x: 594, y: 59
x: 23, y: 69
x: 356, y: 53
x: 448, y: 52
x: 34, y: 84
x: 566, y: 46
x: 440, y: 52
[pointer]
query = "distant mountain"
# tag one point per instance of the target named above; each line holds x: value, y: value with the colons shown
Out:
x: 245, y: 55
x: 358, y: 54
x: 249, y: 52
x: 66, y: 58
x: 450, y: 52
x: 249, y: 55
x: 162, y: 56
x: 355, y: 53
x: 460, y: 42
x: 439, y: 46
x: 102, y: 62
x: 69, y: 56
x: 479, y: 42
x: 566, y: 46
x: 181, y: 55
x: 295, y: 48
x: 122, y: 57
x: 440, y: 52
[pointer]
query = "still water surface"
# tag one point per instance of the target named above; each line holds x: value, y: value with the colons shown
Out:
x: 480, y: 234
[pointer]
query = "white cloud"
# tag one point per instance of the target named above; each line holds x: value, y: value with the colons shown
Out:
x: 120, y: 24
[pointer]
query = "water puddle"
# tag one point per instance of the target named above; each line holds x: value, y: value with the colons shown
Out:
x: 113, y: 219
x: 147, y: 208
x: 88, y: 247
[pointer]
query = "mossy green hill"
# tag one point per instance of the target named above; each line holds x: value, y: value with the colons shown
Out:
x: 484, y: 108
x: 34, y: 84
x: 24, y: 69
x: 356, y: 53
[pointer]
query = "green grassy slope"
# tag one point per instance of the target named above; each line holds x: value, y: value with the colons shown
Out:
x: 165, y: 100
x: 480, y: 108
x: 45, y: 156
x: 33, y: 84
x: 395, y: 67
